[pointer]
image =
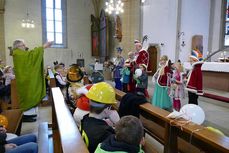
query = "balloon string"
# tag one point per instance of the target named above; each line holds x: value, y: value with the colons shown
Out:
x: 180, y: 123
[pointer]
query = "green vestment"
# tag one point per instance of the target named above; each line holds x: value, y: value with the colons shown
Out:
x: 30, y: 80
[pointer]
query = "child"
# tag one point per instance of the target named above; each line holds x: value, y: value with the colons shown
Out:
x: 160, y: 96
x: 94, y: 126
x: 118, y: 63
x: 176, y: 87
x: 195, y: 79
x: 133, y: 66
x: 125, y: 75
x: 128, y: 137
x: 60, y: 81
x: 82, y: 104
x: 142, y: 81
x: 8, y: 75
x: 21, y: 144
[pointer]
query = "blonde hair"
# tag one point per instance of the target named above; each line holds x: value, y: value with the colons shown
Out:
x: 179, y: 66
x: 164, y: 58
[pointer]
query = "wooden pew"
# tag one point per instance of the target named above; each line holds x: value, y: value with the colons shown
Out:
x: 43, y: 138
x: 190, y: 138
x: 14, y: 117
x: 174, y: 137
x: 67, y: 138
x: 14, y: 98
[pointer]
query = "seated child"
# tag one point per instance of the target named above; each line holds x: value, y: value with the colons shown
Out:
x: 21, y: 144
x: 128, y: 137
x: 60, y: 80
x: 94, y: 126
x: 8, y: 76
x: 82, y: 104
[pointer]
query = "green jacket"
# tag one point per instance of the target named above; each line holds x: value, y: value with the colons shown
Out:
x: 111, y: 145
x: 100, y: 150
x: 30, y: 79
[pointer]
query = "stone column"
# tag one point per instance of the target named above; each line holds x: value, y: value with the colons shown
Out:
x: 2, y: 31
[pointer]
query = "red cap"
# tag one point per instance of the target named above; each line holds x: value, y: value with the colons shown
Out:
x: 83, y: 103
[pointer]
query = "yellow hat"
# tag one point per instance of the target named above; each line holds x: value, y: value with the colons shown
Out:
x: 3, y: 121
x: 74, y: 74
x: 102, y: 92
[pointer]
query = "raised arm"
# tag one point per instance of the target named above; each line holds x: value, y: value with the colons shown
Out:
x: 48, y: 44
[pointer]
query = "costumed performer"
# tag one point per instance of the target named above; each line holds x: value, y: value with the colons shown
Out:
x: 160, y: 96
x: 118, y: 65
x: 195, y: 79
x: 141, y: 55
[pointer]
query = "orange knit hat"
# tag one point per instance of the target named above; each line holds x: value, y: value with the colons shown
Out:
x: 83, y: 103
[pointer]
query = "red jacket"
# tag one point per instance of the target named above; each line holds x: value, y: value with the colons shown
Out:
x: 163, y: 79
x: 195, y: 79
x: 142, y: 57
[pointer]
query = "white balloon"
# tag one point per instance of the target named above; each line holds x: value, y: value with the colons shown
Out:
x: 138, y: 72
x: 193, y: 112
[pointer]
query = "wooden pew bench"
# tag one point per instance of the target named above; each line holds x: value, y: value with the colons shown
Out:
x: 66, y: 135
x: 43, y: 138
x: 190, y: 138
x: 14, y: 117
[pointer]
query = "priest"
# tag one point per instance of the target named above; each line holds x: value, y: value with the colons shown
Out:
x: 29, y: 72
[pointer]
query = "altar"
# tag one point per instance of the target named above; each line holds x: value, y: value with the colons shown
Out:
x: 215, y: 75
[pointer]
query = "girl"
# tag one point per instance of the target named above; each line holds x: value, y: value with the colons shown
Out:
x: 160, y: 96
x: 177, y: 87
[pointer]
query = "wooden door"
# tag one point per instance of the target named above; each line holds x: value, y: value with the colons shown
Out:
x: 152, y: 66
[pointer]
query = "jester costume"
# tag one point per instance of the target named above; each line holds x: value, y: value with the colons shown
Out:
x: 30, y: 79
x: 195, y: 78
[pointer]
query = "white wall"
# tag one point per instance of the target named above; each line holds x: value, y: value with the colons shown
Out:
x: 78, y: 29
x: 195, y: 19
x: 216, y: 39
x: 160, y: 24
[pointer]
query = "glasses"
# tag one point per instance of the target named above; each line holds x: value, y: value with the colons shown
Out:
x: 23, y: 45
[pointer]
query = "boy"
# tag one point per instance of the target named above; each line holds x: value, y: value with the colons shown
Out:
x: 127, y: 139
x: 95, y: 126
x: 142, y: 81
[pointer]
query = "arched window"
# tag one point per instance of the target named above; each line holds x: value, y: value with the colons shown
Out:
x: 226, y: 35
x: 54, y: 22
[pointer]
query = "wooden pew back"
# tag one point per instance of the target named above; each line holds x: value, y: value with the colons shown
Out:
x: 69, y: 135
x: 187, y: 138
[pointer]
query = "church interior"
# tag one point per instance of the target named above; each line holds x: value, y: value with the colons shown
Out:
x: 164, y: 63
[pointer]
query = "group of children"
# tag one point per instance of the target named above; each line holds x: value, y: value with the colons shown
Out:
x: 171, y: 81
x: 100, y: 125
x: 102, y: 129
x: 129, y: 76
